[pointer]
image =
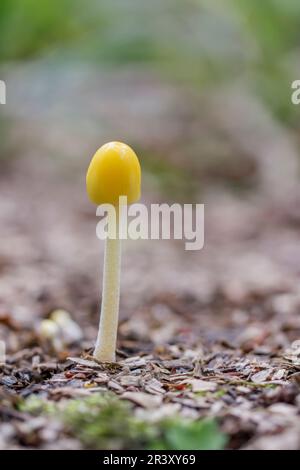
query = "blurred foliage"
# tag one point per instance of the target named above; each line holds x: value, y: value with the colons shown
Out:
x: 95, y: 421
x: 274, y: 29
x: 29, y: 28
x: 104, y: 421
x: 204, y: 42
x: 190, y: 435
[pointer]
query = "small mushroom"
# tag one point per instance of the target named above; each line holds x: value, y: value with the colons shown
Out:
x: 114, y: 172
x: 59, y: 330
x: 49, y: 331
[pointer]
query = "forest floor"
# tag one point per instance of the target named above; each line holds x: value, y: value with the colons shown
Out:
x: 210, y: 334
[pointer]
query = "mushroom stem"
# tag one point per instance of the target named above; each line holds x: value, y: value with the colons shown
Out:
x: 107, y: 335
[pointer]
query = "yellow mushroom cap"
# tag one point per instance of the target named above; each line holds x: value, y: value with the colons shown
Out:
x: 114, y: 171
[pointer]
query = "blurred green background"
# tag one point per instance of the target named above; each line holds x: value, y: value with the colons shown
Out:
x: 192, y: 84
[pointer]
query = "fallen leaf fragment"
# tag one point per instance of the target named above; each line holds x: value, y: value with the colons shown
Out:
x: 201, y: 385
x: 146, y: 400
x: 85, y: 362
x: 261, y: 376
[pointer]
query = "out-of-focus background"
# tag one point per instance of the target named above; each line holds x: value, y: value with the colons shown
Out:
x: 201, y: 89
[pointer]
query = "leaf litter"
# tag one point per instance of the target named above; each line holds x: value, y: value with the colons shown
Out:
x: 219, y: 344
x: 241, y: 391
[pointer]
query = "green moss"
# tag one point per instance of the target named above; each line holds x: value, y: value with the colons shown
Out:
x: 192, y: 435
x: 36, y: 405
x: 219, y: 393
x: 103, y: 421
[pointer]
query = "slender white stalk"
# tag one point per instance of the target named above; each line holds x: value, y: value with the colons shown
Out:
x: 105, y: 349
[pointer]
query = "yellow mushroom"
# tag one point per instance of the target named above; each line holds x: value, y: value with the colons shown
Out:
x: 114, y: 172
